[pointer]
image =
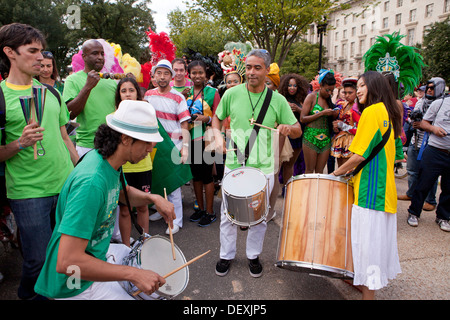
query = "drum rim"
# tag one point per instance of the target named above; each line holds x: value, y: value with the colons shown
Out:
x: 317, y: 176
x: 332, y: 272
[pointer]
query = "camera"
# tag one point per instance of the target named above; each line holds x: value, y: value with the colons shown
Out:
x: 416, y: 115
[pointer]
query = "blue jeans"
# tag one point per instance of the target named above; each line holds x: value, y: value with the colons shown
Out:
x: 434, y: 163
x: 35, y: 221
x: 413, y: 166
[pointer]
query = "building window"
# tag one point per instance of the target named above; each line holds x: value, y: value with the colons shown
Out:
x: 336, y: 51
x: 398, y: 19
x: 429, y: 10
x: 344, y: 50
x: 386, y: 6
x: 337, y: 22
x: 344, y: 34
x: 363, y: 29
x: 411, y: 34
x: 399, y: 3
x: 352, y: 49
x: 336, y: 35
x: 412, y: 15
x: 362, y: 46
x: 447, y: 6
x: 353, y: 31
x: 385, y: 23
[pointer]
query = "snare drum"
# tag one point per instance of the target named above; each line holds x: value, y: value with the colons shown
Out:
x: 155, y: 254
x: 315, y: 231
x: 245, y: 196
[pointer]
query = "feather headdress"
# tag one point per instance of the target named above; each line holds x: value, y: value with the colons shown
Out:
x: 387, y: 54
x: 161, y: 46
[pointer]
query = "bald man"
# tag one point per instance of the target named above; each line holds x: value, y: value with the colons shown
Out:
x: 89, y: 98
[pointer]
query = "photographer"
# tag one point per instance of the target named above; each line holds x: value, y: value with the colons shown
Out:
x: 435, y: 89
x: 435, y: 163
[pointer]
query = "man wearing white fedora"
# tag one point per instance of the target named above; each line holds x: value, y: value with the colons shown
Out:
x: 76, y: 266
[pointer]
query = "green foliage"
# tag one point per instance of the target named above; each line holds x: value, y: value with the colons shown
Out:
x: 303, y: 59
x: 199, y: 32
x: 436, y: 51
x: 119, y: 21
x: 271, y: 24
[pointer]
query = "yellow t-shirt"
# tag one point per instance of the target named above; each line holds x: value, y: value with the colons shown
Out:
x: 145, y: 164
x: 374, y: 186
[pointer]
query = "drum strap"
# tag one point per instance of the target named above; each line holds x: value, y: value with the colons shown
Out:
x: 132, y: 213
x: 251, y: 140
x: 375, y: 151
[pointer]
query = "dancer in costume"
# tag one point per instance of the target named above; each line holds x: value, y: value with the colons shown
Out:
x: 316, y: 114
x: 346, y: 123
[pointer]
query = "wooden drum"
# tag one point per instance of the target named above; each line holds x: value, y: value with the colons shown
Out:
x: 315, y: 231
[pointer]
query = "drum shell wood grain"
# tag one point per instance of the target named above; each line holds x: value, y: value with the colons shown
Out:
x: 316, y: 226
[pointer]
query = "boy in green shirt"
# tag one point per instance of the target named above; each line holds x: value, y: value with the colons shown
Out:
x: 85, y: 214
x: 32, y: 185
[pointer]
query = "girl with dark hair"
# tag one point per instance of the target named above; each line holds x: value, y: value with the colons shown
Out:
x: 294, y: 88
x: 374, y: 222
x: 202, y: 103
x: 49, y: 72
x: 317, y: 114
x: 138, y: 175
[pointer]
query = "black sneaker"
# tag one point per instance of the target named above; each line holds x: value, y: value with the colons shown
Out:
x: 197, y: 215
x: 222, y: 267
x: 207, y: 219
x: 255, y: 268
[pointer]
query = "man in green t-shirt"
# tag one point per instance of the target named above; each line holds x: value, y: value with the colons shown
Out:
x: 243, y: 103
x: 76, y: 266
x: 89, y: 98
x: 32, y: 184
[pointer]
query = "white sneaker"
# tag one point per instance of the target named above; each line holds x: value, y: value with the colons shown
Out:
x: 155, y: 217
x: 174, y: 230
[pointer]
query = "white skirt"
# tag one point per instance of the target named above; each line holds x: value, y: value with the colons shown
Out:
x: 374, y: 247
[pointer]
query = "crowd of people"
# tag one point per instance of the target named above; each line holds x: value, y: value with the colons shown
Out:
x: 64, y: 203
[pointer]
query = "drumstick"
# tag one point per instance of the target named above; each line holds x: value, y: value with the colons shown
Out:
x: 262, y: 126
x: 179, y: 268
x: 170, y: 232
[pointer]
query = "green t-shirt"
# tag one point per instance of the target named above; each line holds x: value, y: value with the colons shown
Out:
x: 236, y: 104
x: 86, y: 209
x: 100, y: 103
x: 44, y: 177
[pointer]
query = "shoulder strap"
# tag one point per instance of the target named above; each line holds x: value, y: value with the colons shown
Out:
x: 252, y: 138
x: 375, y: 150
x: 54, y: 91
x: 132, y: 216
x: 2, y: 117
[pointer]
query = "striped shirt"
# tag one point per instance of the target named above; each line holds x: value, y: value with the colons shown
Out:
x: 374, y: 185
x: 171, y: 110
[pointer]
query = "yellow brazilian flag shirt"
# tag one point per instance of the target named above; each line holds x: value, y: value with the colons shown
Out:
x: 374, y: 186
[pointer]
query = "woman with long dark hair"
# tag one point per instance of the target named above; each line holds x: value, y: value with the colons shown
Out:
x: 374, y: 222
x: 294, y: 88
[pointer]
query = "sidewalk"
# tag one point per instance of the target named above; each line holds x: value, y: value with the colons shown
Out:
x: 424, y: 258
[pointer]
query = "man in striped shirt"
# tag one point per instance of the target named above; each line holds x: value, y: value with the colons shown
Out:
x: 173, y: 114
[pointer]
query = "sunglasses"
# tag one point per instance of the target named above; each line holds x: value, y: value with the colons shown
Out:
x: 47, y: 54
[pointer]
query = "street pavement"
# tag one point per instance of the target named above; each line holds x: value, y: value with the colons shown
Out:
x: 424, y: 257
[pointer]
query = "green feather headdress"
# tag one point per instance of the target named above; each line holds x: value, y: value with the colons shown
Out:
x: 387, y: 54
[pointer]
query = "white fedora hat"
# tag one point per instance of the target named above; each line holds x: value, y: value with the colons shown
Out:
x: 136, y: 119
x: 164, y: 64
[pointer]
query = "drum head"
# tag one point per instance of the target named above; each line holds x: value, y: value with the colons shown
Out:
x: 243, y: 182
x: 156, y: 255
